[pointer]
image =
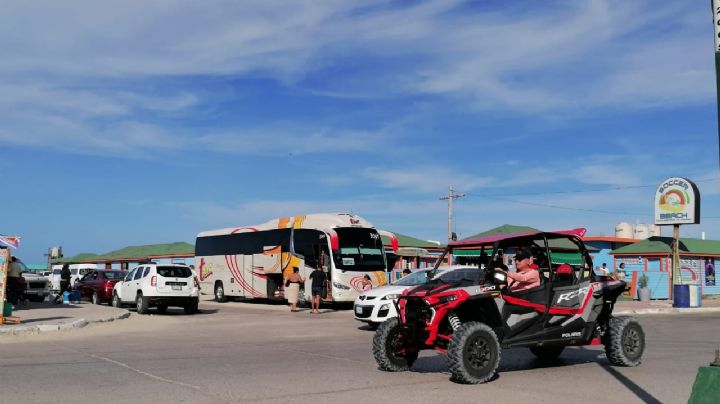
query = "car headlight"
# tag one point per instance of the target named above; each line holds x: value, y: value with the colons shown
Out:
x: 340, y: 286
x: 390, y: 297
x: 447, y: 299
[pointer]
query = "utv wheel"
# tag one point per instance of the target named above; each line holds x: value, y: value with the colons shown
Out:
x: 547, y: 353
x: 220, y: 293
x: 624, y: 341
x: 116, y: 301
x: 473, y: 353
x: 95, y: 298
x: 161, y: 308
x: 388, y: 349
x: 141, y: 302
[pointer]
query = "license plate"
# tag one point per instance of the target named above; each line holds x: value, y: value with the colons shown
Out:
x: 358, y: 309
x: 176, y: 287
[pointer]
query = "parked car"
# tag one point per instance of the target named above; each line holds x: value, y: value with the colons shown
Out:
x: 98, y: 285
x: 159, y: 286
x: 377, y: 305
x: 36, y: 286
x: 77, y: 271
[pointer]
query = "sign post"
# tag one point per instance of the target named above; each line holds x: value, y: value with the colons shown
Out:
x: 677, y: 201
x: 4, y: 260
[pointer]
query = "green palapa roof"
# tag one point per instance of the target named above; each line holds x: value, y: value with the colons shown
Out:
x: 663, y: 246
x: 407, y: 241
x: 504, y: 229
x: 133, y: 253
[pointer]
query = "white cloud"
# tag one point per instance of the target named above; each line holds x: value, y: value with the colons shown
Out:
x: 290, y: 141
x: 76, y: 64
x: 424, y: 178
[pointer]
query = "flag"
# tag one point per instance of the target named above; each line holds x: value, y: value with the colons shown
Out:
x: 10, y: 241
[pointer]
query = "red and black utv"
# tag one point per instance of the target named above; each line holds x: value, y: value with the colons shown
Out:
x: 470, y: 320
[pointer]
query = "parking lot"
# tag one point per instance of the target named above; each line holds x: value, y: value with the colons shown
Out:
x: 243, y: 352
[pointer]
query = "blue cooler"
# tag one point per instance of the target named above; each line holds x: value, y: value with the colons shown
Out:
x: 74, y: 296
x: 66, y: 297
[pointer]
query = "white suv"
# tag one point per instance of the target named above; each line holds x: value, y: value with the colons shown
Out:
x: 160, y: 286
x: 377, y: 305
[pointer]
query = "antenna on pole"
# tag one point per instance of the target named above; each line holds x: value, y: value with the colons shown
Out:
x: 715, y: 4
x: 449, y: 197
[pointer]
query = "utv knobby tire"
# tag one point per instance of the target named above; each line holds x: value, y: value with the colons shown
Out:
x: 141, y: 303
x: 624, y: 341
x: 473, y: 353
x: 547, y: 353
x: 386, y: 342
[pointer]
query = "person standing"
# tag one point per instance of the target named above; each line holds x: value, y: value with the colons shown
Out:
x: 318, y: 278
x: 292, y: 288
x: 13, y: 281
x: 65, y: 278
x: 620, y: 274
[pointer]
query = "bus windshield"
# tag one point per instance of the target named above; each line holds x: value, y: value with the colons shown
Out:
x: 361, y: 249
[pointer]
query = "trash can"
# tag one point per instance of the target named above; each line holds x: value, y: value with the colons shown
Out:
x: 681, y: 295
x: 695, y: 295
x: 7, y: 310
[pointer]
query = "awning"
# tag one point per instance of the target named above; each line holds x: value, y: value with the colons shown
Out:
x: 565, y: 258
x: 470, y: 253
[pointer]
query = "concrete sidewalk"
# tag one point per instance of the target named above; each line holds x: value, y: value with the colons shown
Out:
x: 664, y: 307
x: 46, y: 317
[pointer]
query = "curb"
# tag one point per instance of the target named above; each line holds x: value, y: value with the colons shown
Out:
x: 671, y: 310
x: 41, y: 328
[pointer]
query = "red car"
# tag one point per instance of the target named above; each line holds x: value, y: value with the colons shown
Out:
x: 98, y: 284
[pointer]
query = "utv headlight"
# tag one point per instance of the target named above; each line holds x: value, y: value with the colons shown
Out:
x: 390, y: 297
x: 340, y: 286
x: 447, y: 299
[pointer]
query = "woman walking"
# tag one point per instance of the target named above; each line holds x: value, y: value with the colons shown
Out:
x: 292, y: 288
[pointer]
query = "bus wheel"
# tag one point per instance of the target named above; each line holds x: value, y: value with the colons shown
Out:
x: 220, y: 293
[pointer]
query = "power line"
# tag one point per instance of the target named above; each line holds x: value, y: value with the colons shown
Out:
x: 547, y: 205
x: 450, y: 197
x: 580, y: 191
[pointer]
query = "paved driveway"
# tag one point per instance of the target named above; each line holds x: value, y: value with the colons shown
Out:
x: 239, y: 352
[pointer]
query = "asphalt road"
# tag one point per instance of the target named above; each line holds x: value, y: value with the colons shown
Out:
x: 240, y: 352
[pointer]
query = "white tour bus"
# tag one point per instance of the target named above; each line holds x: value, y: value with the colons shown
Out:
x: 251, y: 262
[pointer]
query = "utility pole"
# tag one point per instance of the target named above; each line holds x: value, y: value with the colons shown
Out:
x: 715, y: 4
x: 449, y: 197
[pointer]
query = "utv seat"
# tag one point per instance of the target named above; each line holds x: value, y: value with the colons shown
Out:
x: 564, y: 275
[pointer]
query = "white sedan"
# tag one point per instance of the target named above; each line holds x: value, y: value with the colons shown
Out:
x: 377, y: 305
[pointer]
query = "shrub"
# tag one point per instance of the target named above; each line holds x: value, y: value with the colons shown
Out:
x: 642, y: 281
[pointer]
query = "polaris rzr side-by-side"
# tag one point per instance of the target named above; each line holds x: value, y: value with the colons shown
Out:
x: 471, y: 320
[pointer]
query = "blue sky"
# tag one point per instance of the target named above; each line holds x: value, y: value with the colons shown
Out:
x: 133, y: 123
